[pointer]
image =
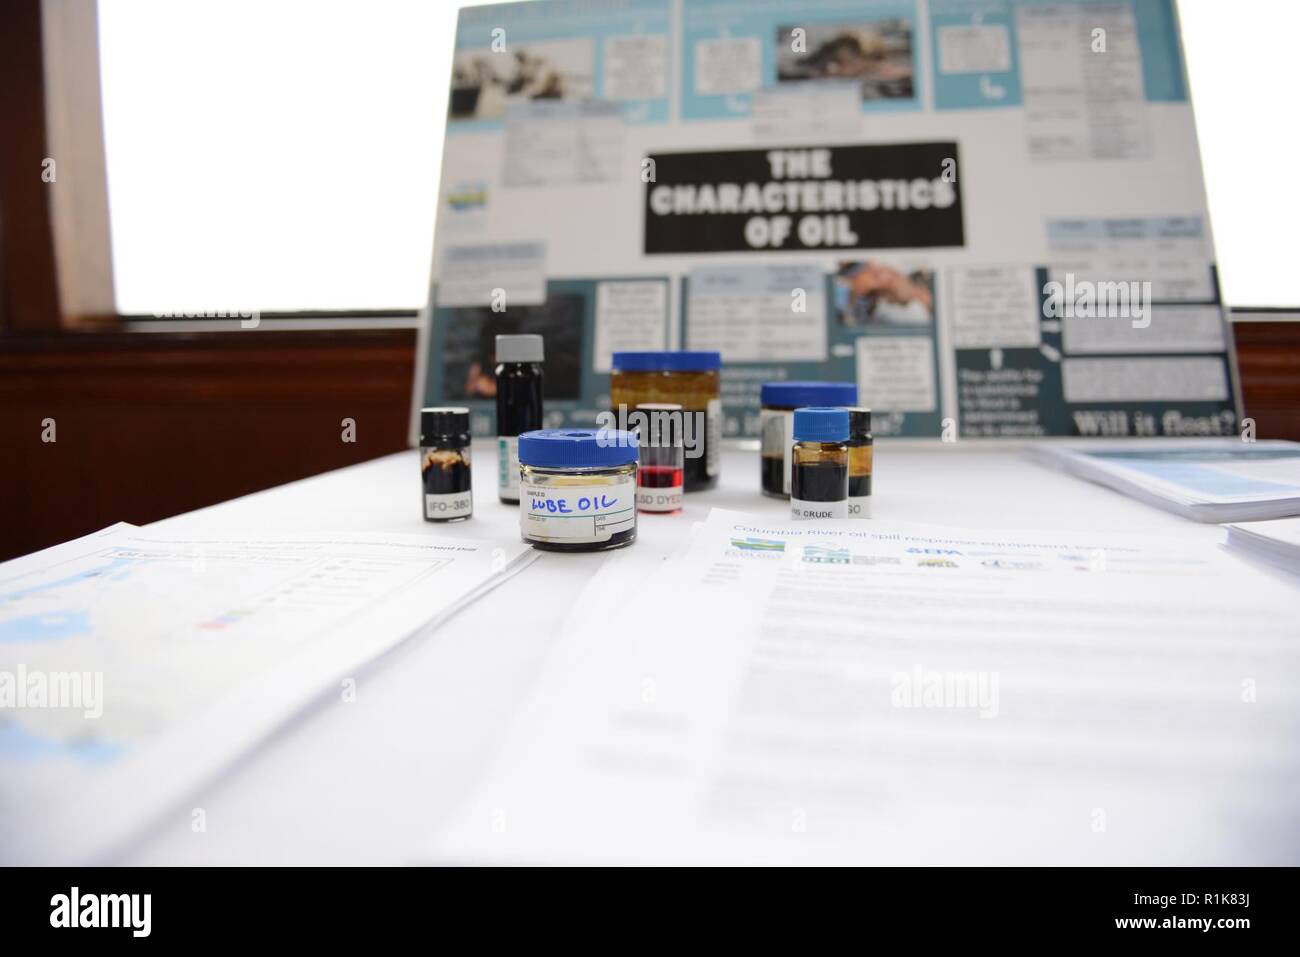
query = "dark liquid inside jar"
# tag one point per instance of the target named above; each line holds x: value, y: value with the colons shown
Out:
x: 696, y: 471
x: 625, y: 537
x: 444, y: 472
x: 519, y: 407
x: 819, y: 482
x: 773, y: 475
x: 519, y: 397
x: 859, y: 485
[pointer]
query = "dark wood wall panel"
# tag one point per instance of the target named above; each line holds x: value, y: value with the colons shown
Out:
x: 1268, y: 358
x: 149, y: 426
x: 152, y: 425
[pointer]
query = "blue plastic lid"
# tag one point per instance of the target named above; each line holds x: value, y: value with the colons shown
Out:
x: 794, y: 394
x: 667, y: 361
x: 577, y: 448
x: 817, y: 424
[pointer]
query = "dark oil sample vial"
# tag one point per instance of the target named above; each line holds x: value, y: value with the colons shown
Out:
x: 444, y: 465
x: 519, y: 405
x: 660, y: 476
x: 860, y: 454
x: 775, y: 424
x: 819, y: 475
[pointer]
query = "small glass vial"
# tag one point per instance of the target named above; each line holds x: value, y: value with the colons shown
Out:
x: 519, y: 405
x: 819, y: 476
x: 577, y: 489
x: 859, y: 463
x: 444, y: 465
x: 775, y: 423
x: 659, y: 478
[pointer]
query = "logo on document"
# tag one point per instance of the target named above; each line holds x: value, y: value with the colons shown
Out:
x: 758, y: 544
x: 826, y: 555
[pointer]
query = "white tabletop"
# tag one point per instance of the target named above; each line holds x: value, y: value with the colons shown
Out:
x: 366, y: 782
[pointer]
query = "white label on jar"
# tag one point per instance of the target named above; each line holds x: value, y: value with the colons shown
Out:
x: 659, y: 499
x: 508, y: 465
x: 859, y: 506
x: 574, y: 514
x: 449, y: 505
x: 805, y: 510
x: 713, y: 433
x: 776, y: 426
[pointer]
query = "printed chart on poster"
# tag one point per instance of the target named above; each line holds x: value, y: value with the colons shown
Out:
x: 988, y: 214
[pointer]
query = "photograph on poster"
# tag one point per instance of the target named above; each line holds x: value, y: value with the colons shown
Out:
x: 878, y: 55
x: 485, y: 83
x: 872, y: 293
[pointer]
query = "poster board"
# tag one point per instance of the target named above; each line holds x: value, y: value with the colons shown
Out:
x: 989, y: 214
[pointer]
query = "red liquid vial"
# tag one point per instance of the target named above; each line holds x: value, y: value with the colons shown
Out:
x: 659, y: 488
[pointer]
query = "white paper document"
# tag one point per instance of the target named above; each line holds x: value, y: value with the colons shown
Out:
x: 864, y: 692
x: 1276, y: 542
x: 1207, y: 480
x: 136, y: 664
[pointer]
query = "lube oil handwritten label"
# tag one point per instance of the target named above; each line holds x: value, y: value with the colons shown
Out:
x: 813, y: 510
x: 577, y: 513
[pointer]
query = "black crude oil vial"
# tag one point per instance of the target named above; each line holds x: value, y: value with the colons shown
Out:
x: 444, y: 465
x: 819, y: 476
x: 860, y: 454
x: 519, y: 405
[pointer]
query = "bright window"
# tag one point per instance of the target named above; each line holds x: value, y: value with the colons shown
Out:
x: 273, y: 155
x: 1241, y: 61
x: 282, y: 155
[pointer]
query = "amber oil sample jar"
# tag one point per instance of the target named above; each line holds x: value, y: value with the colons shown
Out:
x: 819, y: 477
x: 692, y: 380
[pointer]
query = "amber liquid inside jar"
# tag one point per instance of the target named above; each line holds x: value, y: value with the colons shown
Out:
x: 699, y: 395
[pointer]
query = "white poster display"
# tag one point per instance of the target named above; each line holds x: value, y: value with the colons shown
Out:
x: 990, y: 215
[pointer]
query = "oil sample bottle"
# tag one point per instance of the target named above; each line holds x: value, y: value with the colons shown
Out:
x: 775, y: 422
x: 689, y: 379
x: 859, y: 463
x: 519, y: 405
x: 819, y: 475
x: 577, y: 489
x: 444, y: 465
x: 659, y: 478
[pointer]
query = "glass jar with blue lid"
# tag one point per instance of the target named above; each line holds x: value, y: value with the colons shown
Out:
x: 692, y: 380
x: 776, y: 421
x: 577, y: 489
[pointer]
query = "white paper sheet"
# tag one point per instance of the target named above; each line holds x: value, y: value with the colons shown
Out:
x: 874, y: 693
x: 134, y: 664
